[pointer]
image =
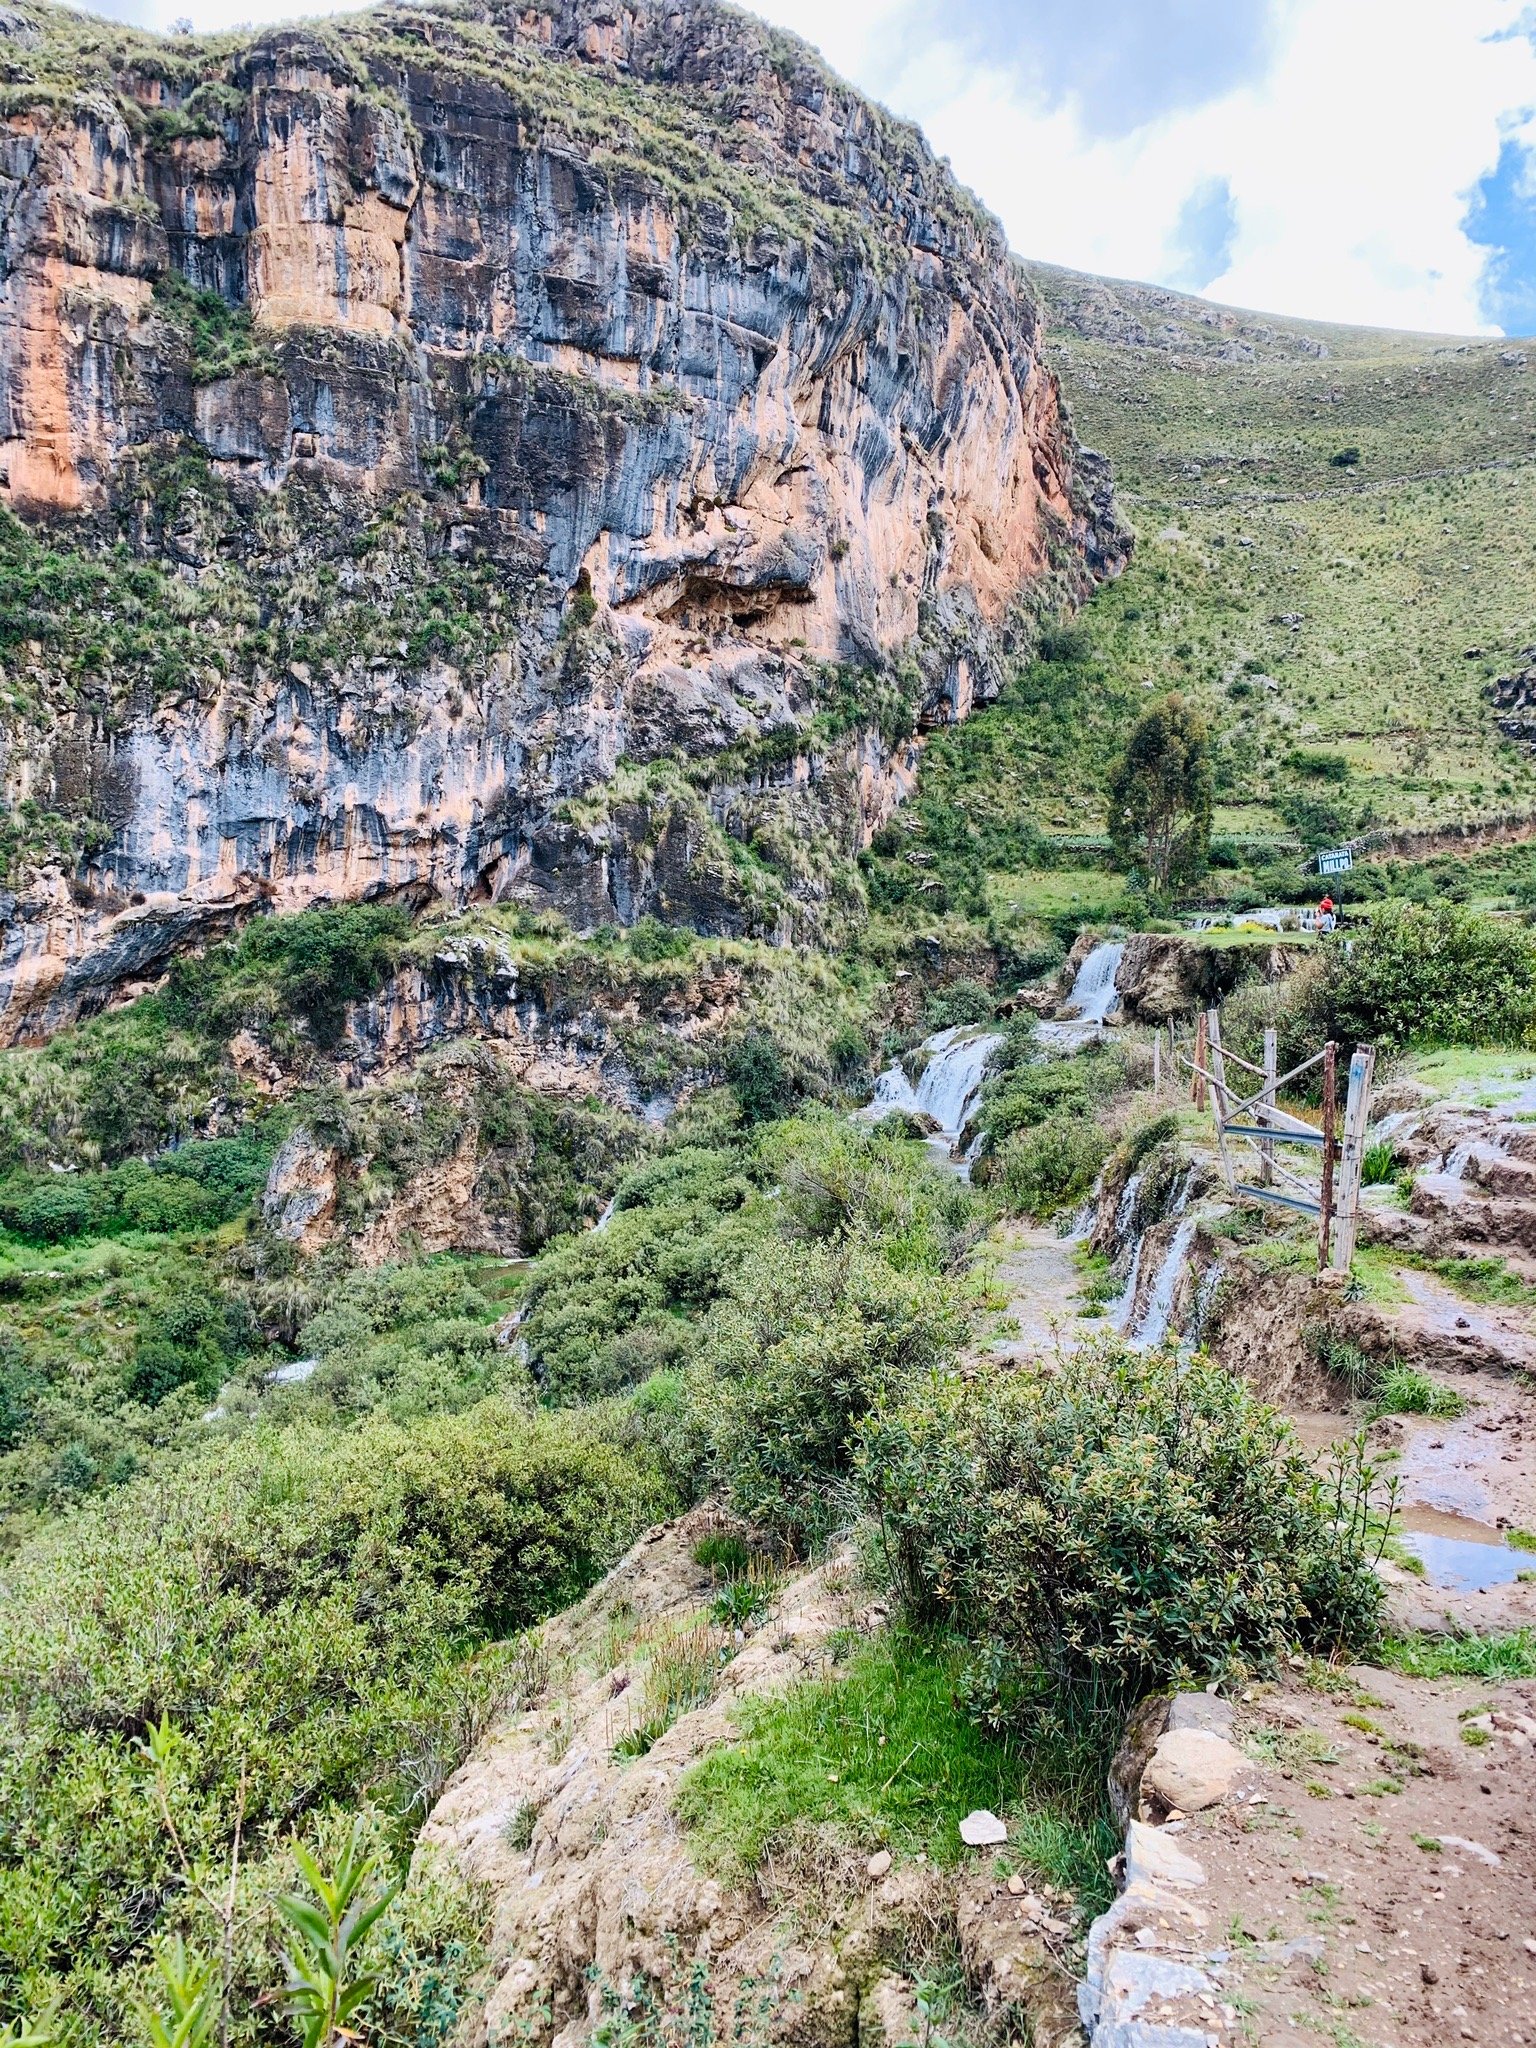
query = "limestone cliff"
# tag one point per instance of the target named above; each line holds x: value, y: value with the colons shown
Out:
x: 425, y: 430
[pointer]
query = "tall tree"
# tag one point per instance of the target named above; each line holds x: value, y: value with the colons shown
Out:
x: 1160, y: 797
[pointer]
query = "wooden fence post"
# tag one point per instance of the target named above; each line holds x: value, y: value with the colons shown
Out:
x: 1357, y: 1114
x: 1197, y: 1092
x: 1330, y: 1152
x: 1218, y: 1068
x: 1271, y: 1069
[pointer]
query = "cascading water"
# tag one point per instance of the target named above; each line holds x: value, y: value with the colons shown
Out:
x: 1124, y: 1306
x: 949, y: 1087
x: 1086, y: 1010
x: 609, y: 1209
x: 1093, y: 992
x: 1154, y: 1324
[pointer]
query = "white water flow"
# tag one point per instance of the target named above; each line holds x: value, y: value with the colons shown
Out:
x: 1154, y: 1324
x: 1121, y: 1311
x: 948, y: 1089
x: 1093, y: 992
x: 606, y: 1218
x: 1094, y: 995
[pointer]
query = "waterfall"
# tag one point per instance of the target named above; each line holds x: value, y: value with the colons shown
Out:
x: 951, y: 1085
x: 1121, y: 1310
x: 951, y: 1082
x: 1125, y: 1209
x: 1390, y: 1127
x: 1093, y: 992
x: 1154, y: 1324
x: 1093, y: 996
x: 1200, y: 1311
x: 1456, y: 1166
x: 609, y: 1207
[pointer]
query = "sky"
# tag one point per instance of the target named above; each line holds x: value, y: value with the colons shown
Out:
x: 1356, y: 160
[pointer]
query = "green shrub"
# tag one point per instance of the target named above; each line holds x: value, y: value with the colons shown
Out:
x: 759, y: 1077
x: 299, y: 1604
x: 309, y: 966
x: 722, y: 1556
x: 808, y: 1338
x: 1120, y: 1523
x: 1041, y: 1170
x: 1378, y: 1167
x: 1423, y: 974
x: 1402, y: 1390
x: 1319, y: 764
x: 959, y: 1002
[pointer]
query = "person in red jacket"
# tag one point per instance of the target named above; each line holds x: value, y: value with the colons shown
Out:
x: 1327, y: 915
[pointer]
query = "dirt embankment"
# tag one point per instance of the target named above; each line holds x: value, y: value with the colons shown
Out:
x: 599, y: 1901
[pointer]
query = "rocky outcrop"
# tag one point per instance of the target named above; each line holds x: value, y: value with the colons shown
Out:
x: 1163, y: 975
x: 1513, y: 698
x: 437, y: 417
x: 567, y: 1813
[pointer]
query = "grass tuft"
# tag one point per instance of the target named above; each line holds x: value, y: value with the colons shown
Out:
x: 1495, y: 1658
x: 887, y: 1757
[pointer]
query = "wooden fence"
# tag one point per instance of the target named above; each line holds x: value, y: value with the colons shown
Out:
x: 1256, y: 1121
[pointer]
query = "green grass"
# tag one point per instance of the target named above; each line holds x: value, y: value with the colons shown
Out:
x: 1403, y: 1390
x: 1319, y: 617
x: 1488, y: 1075
x: 1494, y: 1658
x: 885, y: 1756
x: 1092, y: 894
x: 1487, y: 1280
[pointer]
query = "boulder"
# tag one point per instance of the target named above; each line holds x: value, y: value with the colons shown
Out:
x: 1192, y: 1768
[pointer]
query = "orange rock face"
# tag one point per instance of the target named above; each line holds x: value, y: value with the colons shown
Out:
x: 737, y: 394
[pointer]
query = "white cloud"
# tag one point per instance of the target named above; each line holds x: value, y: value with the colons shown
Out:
x: 1349, y: 152
x: 1349, y: 161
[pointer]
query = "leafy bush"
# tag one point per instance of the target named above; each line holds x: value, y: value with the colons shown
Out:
x: 760, y: 1078
x: 1378, y: 1167
x: 959, y: 1002
x: 1318, y: 763
x: 298, y: 1604
x: 1422, y: 974
x: 605, y: 1310
x: 311, y: 966
x: 1041, y: 1170
x: 1123, y: 1522
x: 837, y: 1180
x: 808, y: 1339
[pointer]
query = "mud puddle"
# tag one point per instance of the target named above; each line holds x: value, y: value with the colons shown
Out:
x: 1458, y: 1555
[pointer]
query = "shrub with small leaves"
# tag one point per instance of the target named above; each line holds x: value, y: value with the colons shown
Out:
x: 1120, y: 1522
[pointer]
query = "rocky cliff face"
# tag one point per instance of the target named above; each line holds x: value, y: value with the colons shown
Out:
x: 423, y: 431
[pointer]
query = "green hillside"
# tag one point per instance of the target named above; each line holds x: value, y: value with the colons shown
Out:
x: 1335, y: 540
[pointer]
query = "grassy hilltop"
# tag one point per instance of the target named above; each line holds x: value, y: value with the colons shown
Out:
x: 1335, y: 539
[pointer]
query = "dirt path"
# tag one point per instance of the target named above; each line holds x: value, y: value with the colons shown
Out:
x: 1037, y: 1270
x: 1381, y: 1892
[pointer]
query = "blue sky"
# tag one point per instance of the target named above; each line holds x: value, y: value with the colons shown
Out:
x: 1355, y: 160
